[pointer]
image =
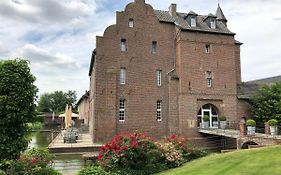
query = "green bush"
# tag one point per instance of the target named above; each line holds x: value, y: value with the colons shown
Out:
x: 2, y: 172
x: 222, y: 118
x: 34, y: 162
x: 95, y: 170
x: 251, y: 122
x: 272, y: 122
x: 206, y: 118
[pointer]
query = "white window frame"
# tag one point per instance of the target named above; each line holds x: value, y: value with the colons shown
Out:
x: 131, y: 23
x: 159, y: 110
x: 193, y: 21
x: 122, y: 109
x: 154, y: 47
x: 212, y: 23
x: 159, y: 77
x: 122, y: 75
x: 123, y: 45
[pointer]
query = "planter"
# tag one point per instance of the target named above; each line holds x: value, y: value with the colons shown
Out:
x: 251, y: 130
x: 206, y: 124
x: 273, y: 130
x: 222, y: 124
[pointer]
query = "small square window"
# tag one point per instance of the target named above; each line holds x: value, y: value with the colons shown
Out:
x: 207, y: 48
x: 154, y: 47
x: 131, y: 23
x: 123, y: 45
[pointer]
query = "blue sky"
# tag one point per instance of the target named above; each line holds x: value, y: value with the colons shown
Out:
x: 59, y: 36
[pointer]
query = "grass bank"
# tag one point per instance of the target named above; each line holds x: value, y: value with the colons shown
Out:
x: 260, y: 161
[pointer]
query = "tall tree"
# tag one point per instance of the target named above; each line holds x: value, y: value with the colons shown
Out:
x: 17, y: 97
x: 56, y: 101
x: 266, y: 104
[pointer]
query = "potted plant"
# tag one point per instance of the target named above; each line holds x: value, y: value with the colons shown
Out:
x: 273, y: 126
x: 251, y: 127
x: 206, y: 120
x: 222, y: 122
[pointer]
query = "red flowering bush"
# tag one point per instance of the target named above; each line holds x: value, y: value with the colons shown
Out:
x: 135, y: 151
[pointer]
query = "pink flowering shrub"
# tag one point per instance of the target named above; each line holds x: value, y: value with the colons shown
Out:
x: 173, y: 156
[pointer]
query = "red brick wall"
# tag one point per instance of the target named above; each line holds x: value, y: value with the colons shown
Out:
x: 182, y: 92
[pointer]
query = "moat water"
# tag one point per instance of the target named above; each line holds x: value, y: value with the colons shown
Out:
x: 66, y: 164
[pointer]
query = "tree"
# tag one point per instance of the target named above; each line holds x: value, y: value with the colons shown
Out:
x: 266, y: 104
x: 56, y: 101
x: 17, y: 97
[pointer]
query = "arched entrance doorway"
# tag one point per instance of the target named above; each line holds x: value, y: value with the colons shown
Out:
x: 210, y: 111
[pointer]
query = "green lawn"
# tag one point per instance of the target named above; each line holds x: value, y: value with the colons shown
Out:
x: 262, y: 161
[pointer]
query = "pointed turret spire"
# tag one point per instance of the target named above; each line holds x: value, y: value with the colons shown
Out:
x: 220, y: 15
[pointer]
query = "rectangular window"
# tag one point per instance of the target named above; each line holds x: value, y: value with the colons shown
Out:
x: 123, y: 45
x: 193, y: 22
x: 154, y: 47
x: 123, y: 75
x: 209, y: 82
x: 212, y: 23
x: 158, y: 110
x: 131, y: 23
x: 207, y: 48
x: 159, y: 72
x: 209, y: 78
x: 122, y: 110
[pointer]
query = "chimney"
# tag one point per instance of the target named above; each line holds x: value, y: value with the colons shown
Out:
x: 173, y: 9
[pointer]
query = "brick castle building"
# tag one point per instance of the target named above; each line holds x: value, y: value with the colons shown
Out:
x: 162, y: 71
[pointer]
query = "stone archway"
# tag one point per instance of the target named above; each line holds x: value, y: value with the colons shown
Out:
x: 246, y: 145
x: 211, y: 111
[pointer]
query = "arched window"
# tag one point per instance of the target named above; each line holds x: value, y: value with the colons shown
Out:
x: 210, y: 111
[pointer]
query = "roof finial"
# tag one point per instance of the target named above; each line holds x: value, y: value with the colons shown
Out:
x: 220, y: 15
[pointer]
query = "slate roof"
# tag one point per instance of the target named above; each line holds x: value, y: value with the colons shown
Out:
x: 219, y: 14
x: 201, y: 26
x: 267, y: 81
x: 248, y: 89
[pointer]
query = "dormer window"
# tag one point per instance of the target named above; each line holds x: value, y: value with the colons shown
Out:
x: 193, y: 21
x: 131, y: 23
x: 212, y: 23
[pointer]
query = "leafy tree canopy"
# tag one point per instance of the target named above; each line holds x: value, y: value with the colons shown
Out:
x: 266, y: 104
x: 17, y: 97
x: 56, y: 101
